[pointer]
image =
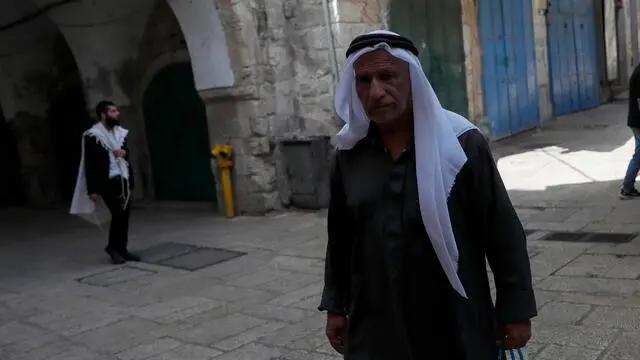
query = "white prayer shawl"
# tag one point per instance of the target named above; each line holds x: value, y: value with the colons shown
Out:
x: 439, y: 156
x: 97, y: 212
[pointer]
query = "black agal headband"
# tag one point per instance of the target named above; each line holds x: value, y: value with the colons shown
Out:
x: 394, y: 41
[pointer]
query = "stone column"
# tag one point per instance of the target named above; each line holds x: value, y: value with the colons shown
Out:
x: 630, y: 34
x: 623, y: 44
x: 24, y: 100
x: 235, y: 118
x: 545, y: 101
x: 356, y: 17
x: 246, y: 114
x: 473, y: 60
x: 632, y: 40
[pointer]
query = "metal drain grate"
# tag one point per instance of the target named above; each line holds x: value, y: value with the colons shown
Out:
x: 186, y: 256
x: 612, y: 238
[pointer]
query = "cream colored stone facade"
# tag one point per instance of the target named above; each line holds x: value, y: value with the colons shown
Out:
x: 284, y: 85
x: 265, y: 70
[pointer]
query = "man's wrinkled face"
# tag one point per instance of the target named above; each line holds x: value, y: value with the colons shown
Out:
x: 383, y: 85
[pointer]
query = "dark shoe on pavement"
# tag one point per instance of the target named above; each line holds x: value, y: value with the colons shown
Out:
x: 116, y: 258
x: 629, y: 194
x: 128, y: 256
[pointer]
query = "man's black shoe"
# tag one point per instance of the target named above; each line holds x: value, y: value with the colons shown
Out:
x: 130, y: 256
x: 116, y: 258
x: 629, y: 194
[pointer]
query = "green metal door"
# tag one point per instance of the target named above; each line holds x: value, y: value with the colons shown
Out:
x: 178, y: 137
x: 435, y: 26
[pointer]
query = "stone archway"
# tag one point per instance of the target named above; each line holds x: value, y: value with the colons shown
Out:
x: 104, y: 41
x: 180, y: 37
x: 206, y: 42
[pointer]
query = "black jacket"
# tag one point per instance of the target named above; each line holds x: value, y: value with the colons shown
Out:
x: 96, y: 165
x: 382, y: 271
x: 633, y: 119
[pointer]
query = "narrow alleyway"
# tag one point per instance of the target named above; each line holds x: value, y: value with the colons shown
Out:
x: 60, y: 300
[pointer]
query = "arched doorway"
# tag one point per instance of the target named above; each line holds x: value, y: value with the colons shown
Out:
x: 178, y: 137
x: 11, y: 191
x: 68, y: 116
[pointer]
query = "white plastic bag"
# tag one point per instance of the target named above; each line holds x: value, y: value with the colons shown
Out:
x: 513, y: 354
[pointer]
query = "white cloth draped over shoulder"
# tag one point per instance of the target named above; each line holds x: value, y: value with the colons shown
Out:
x: 439, y: 155
x: 96, y: 212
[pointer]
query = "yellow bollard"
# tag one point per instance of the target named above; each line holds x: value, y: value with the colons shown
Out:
x: 223, y: 155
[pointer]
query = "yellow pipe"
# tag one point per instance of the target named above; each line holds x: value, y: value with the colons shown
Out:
x: 225, y: 174
x: 224, y: 159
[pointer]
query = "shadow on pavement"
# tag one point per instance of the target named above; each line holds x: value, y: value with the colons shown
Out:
x: 602, y: 129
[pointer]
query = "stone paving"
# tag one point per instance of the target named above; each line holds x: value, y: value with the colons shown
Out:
x: 61, y: 300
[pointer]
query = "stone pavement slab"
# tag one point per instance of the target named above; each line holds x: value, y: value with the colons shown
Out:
x: 61, y: 300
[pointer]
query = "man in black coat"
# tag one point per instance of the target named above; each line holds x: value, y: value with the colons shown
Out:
x: 109, y: 176
x: 417, y: 208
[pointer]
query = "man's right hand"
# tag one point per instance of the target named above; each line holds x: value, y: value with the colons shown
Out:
x: 119, y: 153
x: 336, y: 328
x: 93, y: 197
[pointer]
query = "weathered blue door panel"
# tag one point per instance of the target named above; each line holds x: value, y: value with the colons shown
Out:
x: 585, y: 27
x: 572, y: 56
x: 508, y: 65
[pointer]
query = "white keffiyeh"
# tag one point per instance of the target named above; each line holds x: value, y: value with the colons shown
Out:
x: 82, y: 205
x: 439, y: 156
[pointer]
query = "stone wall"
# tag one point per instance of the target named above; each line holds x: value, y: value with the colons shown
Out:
x: 545, y: 104
x: 245, y: 114
x: 280, y: 53
x: 473, y: 58
x: 104, y: 38
x: 38, y: 166
x: 630, y: 14
x: 47, y: 116
x: 281, y: 57
x: 26, y: 58
x: 628, y: 43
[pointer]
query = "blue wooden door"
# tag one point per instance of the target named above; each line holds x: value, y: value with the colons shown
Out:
x: 508, y: 65
x: 572, y: 56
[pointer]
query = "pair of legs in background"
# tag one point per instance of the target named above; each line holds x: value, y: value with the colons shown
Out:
x: 119, y: 228
x: 628, y: 185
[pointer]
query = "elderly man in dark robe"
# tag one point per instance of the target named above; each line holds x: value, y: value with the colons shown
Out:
x: 417, y: 207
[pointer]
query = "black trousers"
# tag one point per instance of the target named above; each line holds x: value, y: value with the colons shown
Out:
x: 119, y: 227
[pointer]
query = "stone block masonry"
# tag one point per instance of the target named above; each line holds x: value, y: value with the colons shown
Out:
x: 281, y: 58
